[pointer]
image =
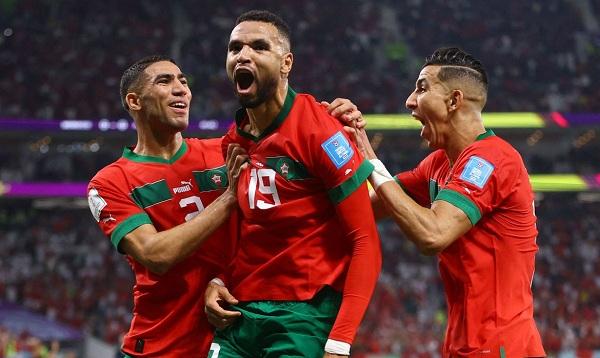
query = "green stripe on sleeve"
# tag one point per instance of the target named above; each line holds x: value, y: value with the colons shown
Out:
x: 342, y: 191
x: 127, y: 226
x: 462, y: 202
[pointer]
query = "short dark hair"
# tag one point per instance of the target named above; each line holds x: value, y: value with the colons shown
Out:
x: 268, y: 17
x: 132, y: 76
x: 459, y: 64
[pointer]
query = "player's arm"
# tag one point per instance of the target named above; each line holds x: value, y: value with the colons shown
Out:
x: 158, y: 251
x: 431, y: 229
x: 358, y: 224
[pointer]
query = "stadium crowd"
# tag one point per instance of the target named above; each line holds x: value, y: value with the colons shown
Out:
x: 57, y: 263
x: 366, y: 51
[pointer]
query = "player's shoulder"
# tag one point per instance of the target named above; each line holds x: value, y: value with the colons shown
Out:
x: 110, y: 175
x: 204, y: 143
x: 494, y: 146
x: 313, y: 116
x: 434, y: 158
x: 305, y: 101
x: 205, y: 152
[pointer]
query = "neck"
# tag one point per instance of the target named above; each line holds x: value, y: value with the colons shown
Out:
x: 464, y: 132
x: 263, y: 115
x: 155, y: 143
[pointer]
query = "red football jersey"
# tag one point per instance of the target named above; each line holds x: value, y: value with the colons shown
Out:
x: 291, y: 241
x: 487, y: 273
x: 168, y: 315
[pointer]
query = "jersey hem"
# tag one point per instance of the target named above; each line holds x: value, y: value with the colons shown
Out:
x: 342, y: 191
x: 128, y: 226
x: 462, y: 202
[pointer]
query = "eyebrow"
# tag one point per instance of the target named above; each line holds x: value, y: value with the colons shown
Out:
x: 254, y: 43
x: 168, y: 76
x: 421, y: 82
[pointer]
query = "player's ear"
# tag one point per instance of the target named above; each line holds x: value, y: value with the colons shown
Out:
x: 133, y: 101
x: 455, y: 101
x: 286, y: 64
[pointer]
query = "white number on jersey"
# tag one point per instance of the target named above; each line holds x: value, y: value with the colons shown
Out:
x: 257, y: 179
x: 191, y: 200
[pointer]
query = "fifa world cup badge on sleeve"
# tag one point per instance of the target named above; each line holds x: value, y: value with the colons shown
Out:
x: 338, y: 149
x: 96, y: 203
x: 477, y: 171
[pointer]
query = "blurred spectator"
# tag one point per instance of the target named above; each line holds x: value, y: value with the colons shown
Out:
x: 63, y: 59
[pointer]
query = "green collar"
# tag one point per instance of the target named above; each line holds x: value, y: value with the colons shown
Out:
x: 241, y: 114
x: 488, y: 133
x: 129, y: 154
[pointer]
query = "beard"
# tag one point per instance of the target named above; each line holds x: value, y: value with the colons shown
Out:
x: 264, y: 92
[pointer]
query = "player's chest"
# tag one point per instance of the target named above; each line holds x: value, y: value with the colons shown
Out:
x: 278, y: 174
x: 177, y: 192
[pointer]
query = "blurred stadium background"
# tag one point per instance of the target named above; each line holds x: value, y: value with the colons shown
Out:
x: 65, y: 292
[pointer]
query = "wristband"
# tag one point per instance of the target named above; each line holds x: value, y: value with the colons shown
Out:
x: 336, y: 347
x: 218, y: 281
x: 380, y: 174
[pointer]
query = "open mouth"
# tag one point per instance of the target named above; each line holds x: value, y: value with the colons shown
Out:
x: 179, y: 106
x: 244, y: 79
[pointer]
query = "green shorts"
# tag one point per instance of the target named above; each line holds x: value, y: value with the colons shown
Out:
x: 279, y: 328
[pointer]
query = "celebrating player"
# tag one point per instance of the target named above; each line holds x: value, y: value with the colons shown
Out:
x: 309, y: 253
x: 158, y: 203
x: 471, y: 203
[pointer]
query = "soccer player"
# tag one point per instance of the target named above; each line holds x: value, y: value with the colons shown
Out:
x: 158, y: 203
x: 471, y: 203
x: 308, y: 255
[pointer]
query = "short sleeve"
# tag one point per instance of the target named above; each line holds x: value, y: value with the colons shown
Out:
x: 114, y: 210
x: 481, y: 179
x: 333, y: 156
x: 416, y: 182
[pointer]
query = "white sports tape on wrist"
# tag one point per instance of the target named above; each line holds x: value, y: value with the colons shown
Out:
x: 380, y: 174
x: 218, y: 281
x: 337, y: 347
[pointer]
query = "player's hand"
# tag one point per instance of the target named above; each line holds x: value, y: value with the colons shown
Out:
x: 332, y: 355
x: 346, y: 112
x: 362, y: 143
x: 237, y: 160
x: 216, y: 298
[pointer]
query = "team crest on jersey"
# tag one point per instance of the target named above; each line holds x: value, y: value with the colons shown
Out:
x: 477, y: 171
x: 338, y: 149
x: 216, y: 178
x: 284, y: 167
x: 96, y: 203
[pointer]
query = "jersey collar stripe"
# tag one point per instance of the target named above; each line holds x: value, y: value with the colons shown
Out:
x: 487, y: 133
x: 129, y: 154
x: 285, y: 110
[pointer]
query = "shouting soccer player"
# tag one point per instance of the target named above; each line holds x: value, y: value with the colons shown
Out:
x: 160, y: 201
x: 309, y: 253
x: 471, y: 203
